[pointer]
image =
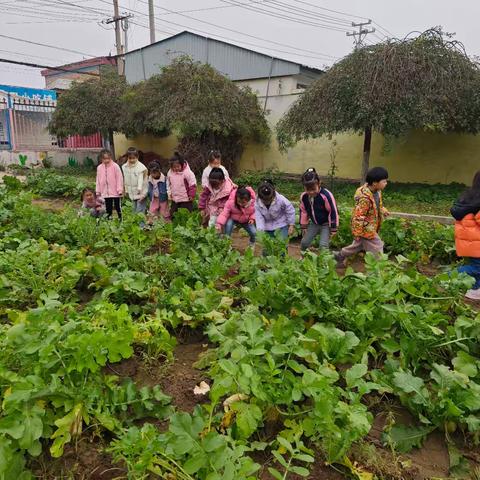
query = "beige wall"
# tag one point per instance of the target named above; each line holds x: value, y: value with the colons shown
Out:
x: 420, y: 157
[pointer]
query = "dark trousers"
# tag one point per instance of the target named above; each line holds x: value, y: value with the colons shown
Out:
x: 174, y: 207
x: 112, y: 202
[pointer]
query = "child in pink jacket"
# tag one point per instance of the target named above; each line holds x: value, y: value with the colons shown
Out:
x: 182, y: 184
x: 109, y: 184
x: 239, y: 210
x: 214, y: 196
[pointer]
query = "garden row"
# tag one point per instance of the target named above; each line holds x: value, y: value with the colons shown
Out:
x: 295, y: 349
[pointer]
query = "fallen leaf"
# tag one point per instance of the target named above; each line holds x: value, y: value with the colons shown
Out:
x: 201, y: 389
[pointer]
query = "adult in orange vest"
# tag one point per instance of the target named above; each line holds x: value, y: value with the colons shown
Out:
x: 466, y: 211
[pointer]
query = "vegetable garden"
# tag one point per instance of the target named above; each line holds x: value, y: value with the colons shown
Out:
x: 300, y: 359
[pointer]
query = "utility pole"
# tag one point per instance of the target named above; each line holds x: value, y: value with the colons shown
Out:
x: 359, y: 37
x: 151, y: 18
x: 121, y: 23
x: 125, y: 26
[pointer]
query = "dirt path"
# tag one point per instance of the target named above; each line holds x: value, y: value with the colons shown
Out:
x: 181, y: 377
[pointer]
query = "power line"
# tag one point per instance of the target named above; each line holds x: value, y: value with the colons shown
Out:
x: 330, y: 10
x: 46, y: 45
x: 16, y: 11
x: 246, y: 35
x: 31, y: 56
x: 309, y: 14
x: 40, y: 8
x: 387, y: 32
x: 271, y: 13
x: 82, y: 7
x: 36, y: 65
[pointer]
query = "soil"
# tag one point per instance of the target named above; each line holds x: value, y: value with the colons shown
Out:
x: 84, y: 460
x: 180, y: 377
x: 50, y: 204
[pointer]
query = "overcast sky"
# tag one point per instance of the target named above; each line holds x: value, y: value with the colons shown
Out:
x: 308, y: 32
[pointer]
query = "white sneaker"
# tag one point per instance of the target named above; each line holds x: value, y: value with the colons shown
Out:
x: 473, y: 294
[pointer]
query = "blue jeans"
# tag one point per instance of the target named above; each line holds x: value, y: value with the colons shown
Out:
x: 472, y: 269
x: 138, y: 206
x: 248, y: 227
x: 283, y: 232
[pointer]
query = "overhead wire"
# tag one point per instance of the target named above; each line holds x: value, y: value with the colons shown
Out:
x: 23, y: 40
x: 308, y: 14
x: 271, y: 13
x: 318, y: 55
x: 60, y: 69
x: 32, y: 56
x: 311, y: 13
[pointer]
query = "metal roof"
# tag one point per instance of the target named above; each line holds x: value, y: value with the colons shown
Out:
x: 237, y: 63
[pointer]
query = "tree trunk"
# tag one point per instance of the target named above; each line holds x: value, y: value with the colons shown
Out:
x: 367, y: 143
x: 112, y: 144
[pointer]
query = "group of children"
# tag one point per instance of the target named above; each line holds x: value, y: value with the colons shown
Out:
x: 224, y: 205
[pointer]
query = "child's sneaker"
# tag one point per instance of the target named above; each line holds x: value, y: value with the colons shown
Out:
x: 473, y: 294
x: 339, y: 258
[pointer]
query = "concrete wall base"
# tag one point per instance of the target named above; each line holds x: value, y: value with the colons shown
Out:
x: 56, y: 158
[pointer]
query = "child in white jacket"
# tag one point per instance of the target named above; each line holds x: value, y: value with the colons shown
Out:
x: 135, y: 181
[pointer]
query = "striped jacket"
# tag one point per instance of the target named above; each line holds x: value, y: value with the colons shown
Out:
x: 320, y: 209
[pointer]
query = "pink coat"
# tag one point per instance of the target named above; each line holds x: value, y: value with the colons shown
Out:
x: 109, y: 180
x: 236, y: 213
x: 213, y: 201
x: 182, y: 185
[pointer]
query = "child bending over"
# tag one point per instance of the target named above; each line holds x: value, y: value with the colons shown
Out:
x: 239, y: 210
x: 91, y: 204
x: 214, y: 196
x: 273, y: 212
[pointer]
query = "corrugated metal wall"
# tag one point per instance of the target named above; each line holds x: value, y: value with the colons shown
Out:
x: 235, y: 62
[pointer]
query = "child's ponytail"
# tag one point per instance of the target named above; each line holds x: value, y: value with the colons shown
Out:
x: 310, y: 178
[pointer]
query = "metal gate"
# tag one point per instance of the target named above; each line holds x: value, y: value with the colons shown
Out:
x: 30, y: 119
x: 4, y: 125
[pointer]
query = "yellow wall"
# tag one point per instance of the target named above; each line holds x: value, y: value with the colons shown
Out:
x: 163, y: 146
x: 420, y: 157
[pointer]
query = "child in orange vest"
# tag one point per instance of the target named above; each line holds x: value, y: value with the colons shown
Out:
x: 466, y: 211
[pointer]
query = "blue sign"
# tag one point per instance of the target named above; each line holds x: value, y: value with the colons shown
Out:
x: 29, y: 93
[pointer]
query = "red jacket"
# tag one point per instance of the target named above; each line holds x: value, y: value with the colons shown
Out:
x: 467, y: 236
x: 236, y: 213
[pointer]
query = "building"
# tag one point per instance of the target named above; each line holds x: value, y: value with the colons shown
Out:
x: 277, y: 82
x: 421, y: 157
x: 24, y: 138
x: 63, y: 78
